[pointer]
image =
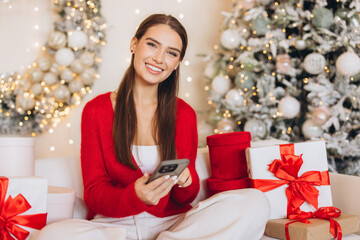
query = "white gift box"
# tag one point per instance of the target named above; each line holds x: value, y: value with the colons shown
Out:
x: 314, y: 159
x: 60, y: 203
x: 34, y: 190
x: 17, y: 156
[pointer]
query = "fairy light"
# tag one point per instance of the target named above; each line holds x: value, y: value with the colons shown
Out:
x: 189, y: 79
x: 137, y: 11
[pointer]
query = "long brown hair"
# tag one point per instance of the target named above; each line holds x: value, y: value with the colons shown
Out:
x: 125, y: 123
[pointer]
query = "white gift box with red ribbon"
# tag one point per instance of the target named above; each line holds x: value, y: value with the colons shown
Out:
x: 22, y: 206
x: 314, y: 163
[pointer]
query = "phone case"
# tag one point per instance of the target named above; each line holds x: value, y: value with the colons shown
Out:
x: 169, y: 167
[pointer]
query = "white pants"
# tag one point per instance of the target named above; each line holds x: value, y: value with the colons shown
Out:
x: 237, y: 214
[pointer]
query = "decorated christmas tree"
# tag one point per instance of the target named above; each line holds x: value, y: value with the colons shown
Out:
x: 290, y: 70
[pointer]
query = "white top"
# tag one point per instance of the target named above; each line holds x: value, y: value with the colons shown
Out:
x: 146, y: 157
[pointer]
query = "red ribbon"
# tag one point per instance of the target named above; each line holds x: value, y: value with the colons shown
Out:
x: 9, y: 215
x: 300, y: 189
x: 326, y: 213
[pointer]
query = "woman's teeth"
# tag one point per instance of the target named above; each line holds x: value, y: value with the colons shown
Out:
x: 154, y: 68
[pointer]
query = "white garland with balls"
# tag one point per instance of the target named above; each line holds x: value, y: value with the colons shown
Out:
x: 37, y: 100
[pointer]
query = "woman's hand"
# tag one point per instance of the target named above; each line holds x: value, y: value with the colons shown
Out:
x: 152, y: 192
x: 184, y: 179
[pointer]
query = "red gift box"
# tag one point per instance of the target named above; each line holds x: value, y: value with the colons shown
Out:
x: 219, y: 185
x: 227, y: 155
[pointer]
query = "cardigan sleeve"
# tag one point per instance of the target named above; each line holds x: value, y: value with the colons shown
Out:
x: 100, y: 194
x: 187, y: 142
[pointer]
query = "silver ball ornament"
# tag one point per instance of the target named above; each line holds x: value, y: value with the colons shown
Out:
x: 62, y: 93
x: 36, y: 88
x: 225, y: 125
x: 314, y: 63
x: 77, y: 66
x: 67, y: 75
x: 234, y: 98
x: 50, y: 78
x: 55, y: 68
x: 348, y: 64
x: 257, y: 128
x: 323, y: 17
x: 64, y: 56
x: 44, y: 63
x: 311, y: 130
x: 75, y: 86
x: 300, y: 44
x: 289, y: 107
x: 77, y: 39
x: 230, y: 39
x: 320, y: 115
x: 88, y: 76
x: 36, y: 75
x: 57, y: 40
x: 87, y: 59
x: 221, y: 84
x: 25, y: 101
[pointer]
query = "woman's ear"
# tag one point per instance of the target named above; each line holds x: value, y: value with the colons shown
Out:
x: 133, y: 43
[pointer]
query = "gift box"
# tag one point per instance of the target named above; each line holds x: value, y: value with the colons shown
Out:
x: 317, y: 229
x: 220, y: 185
x: 60, y: 203
x: 17, y: 156
x: 227, y: 155
x: 292, y: 176
x: 22, y: 206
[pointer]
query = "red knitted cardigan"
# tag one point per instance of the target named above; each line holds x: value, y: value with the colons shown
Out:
x: 108, y: 185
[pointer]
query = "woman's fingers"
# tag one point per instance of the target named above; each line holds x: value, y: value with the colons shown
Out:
x: 185, y: 178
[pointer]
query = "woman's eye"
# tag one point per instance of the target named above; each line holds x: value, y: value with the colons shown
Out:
x: 174, y: 54
x: 151, y: 44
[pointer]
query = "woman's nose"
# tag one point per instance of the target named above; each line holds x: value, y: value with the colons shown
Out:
x: 158, y: 56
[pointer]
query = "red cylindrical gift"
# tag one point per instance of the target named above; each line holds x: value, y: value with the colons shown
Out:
x: 219, y: 185
x: 227, y: 155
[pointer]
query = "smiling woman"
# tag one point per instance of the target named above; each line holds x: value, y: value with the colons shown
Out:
x: 36, y: 99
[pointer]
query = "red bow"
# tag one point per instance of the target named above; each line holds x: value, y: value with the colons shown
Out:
x: 9, y: 215
x: 300, y: 189
x: 326, y: 213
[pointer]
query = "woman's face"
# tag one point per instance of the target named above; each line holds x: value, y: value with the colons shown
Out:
x: 156, y: 54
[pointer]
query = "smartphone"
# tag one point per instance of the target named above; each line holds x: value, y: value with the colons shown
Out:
x: 169, y: 167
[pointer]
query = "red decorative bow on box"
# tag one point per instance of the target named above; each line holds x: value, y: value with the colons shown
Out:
x: 326, y: 213
x: 300, y: 189
x: 10, y: 218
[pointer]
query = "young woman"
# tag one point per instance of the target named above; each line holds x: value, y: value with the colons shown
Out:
x: 125, y: 134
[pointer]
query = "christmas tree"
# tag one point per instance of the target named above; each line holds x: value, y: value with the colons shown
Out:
x: 290, y: 70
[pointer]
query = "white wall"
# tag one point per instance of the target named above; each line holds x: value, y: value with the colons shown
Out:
x: 202, y: 19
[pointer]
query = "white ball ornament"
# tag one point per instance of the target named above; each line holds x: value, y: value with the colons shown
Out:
x: 320, y: 115
x: 44, y: 63
x: 50, y: 78
x: 77, y: 39
x: 314, y: 63
x: 221, y: 84
x: 36, y: 75
x: 64, y: 56
x: 36, y: 88
x: 87, y: 59
x: 77, y: 66
x: 210, y: 70
x: 311, y: 130
x: 57, y: 40
x: 230, y: 39
x: 88, y: 76
x: 289, y: 107
x: 25, y: 101
x: 55, y: 68
x: 67, y: 75
x: 75, y: 86
x: 257, y: 128
x: 300, y: 44
x: 348, y: 64
x: 62, y: 93
x: 225, y: 125
x: 234, y: 98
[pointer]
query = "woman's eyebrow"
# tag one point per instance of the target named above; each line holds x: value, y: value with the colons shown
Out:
x: 157, y: 42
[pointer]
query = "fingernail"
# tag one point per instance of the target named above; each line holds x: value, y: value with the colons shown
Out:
x: 167, y: 177
x: 176, y: 181
x: 180, y: 186
x: 174, y: 178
